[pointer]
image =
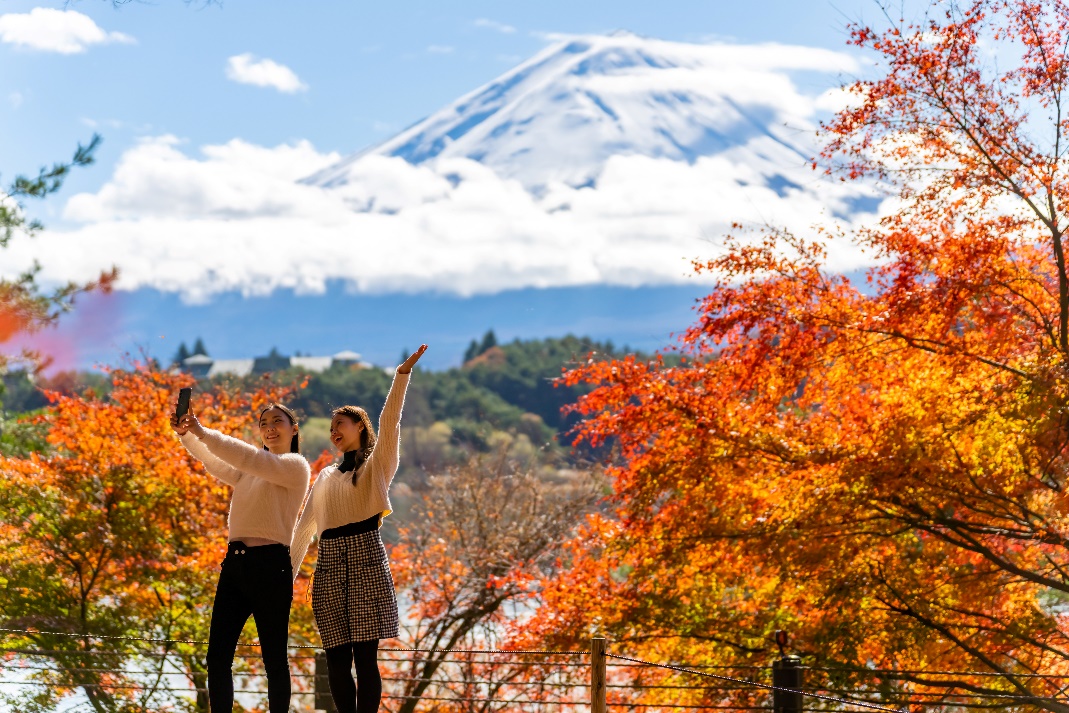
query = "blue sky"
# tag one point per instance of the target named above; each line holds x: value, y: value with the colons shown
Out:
x: 163, y: 81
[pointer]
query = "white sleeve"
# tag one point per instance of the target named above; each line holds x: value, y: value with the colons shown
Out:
x: 289, y: 470
x: 302, y: 533
x: 219, y: 469
x: 385, y: 456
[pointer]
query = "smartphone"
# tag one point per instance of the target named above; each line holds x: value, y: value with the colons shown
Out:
x: 183, y: 401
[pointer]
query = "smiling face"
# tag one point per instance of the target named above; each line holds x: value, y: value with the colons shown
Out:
x: 345, y: 432
x: 277, y: 430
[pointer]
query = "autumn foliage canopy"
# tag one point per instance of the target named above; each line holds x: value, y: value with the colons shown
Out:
x: 879, y: 465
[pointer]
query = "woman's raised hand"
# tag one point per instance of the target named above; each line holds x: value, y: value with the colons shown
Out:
x: 187, y: 424
x: 411, y: 361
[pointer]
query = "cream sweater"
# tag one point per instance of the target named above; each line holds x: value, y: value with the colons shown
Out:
x: 335, y: 500
x: 268, y: 488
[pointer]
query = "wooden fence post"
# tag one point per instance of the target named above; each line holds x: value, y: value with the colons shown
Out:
x: 323, y: 700
x: 597, y: 675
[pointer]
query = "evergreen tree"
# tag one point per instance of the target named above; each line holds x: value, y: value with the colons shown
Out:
x: 198, y: 347
x: 472, y: 351
x: 182, y: 354
x: 489, y: 341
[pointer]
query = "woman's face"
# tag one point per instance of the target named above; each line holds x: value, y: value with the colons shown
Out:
x: 276, y: 430
x: 345, y: 432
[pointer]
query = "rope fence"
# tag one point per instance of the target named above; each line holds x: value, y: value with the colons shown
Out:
x: 511, y: 681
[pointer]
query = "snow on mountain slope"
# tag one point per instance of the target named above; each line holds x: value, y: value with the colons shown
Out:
x: 560, y: 116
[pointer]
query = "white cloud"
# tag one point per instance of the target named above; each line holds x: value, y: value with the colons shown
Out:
x: 51, y: 30
x: 234, y: 181
x: 440, y: 49
x: 237, y: 219
x: 495, y: 25
x: 839, y: 98
x: 116, y: 125
x: 247, y: 69
x: 553, y: 36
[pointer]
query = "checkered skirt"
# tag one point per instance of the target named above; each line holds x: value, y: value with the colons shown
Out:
x: 353, y: 597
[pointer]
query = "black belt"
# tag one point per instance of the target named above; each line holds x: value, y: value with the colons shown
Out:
x: 353, y: 528
x: 237, y: 547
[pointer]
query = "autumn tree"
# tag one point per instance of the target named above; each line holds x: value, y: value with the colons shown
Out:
x: 878, y: 467
x: 114, y: 530
x: 468, y: 566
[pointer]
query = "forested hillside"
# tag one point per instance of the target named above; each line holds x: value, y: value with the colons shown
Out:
x: 503, y: 395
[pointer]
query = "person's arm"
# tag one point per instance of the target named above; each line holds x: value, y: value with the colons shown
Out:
x: 302, y: 534
x: 215, y: 467
x: 387, y: 448
x: 289, y: 470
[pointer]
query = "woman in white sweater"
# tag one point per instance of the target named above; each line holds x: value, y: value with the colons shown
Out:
x: 255, y: 579
x: 353, y: 598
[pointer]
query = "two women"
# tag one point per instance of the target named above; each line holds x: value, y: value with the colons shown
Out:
x: 353, y: 596
x: 256, y: 577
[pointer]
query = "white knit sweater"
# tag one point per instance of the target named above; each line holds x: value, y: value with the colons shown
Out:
x: 268, y: 488
x: 335, y: 500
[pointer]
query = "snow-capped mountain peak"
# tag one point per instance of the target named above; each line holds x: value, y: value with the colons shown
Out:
x: 561, y: 115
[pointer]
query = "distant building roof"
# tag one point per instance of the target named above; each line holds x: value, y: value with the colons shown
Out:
x: 312, y: 363
x: 234, y: 367
x: 347, y: 355
x: 203, y: 366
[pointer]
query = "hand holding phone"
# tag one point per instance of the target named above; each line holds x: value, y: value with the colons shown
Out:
x: 183, y: 419
x: 182, y: 407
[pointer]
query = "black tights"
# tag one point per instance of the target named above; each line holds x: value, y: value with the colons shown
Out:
x: 348, y: 696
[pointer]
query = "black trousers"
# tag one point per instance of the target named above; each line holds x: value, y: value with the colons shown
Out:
x: 256, y: 581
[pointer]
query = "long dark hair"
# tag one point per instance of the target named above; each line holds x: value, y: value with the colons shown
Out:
x: 295, y: 442
x: 367, y: 436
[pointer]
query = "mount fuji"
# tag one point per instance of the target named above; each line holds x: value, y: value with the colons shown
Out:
x: 562, y: 115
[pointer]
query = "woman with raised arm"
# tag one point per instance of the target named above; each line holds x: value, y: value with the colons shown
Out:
x: 353, y: 597
x: 255, y: 579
